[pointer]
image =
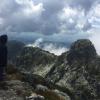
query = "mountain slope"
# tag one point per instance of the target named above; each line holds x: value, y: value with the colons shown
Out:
x: 76, y: 72
x: 79, y: 71
x: 35, y: 60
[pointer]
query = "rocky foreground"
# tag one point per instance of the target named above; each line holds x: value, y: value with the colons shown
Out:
x: 39, y: 75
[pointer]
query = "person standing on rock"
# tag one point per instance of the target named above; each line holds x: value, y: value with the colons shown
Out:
x: 3, y: 56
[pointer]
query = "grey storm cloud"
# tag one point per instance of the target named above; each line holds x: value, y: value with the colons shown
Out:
x: 83, y: 4
x: 87, y: 26
x: 50, y: 16
x: 41, y: 16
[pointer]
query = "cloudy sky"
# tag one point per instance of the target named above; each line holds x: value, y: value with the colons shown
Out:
x: 56, y: 20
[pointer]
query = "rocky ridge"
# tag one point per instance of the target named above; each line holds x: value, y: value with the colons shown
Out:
x: 79, y: 72
x: 75, y: 75
x: 30, y: 58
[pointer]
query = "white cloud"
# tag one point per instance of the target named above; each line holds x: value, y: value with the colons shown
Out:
x: 52, y: 48
x: 36, y: 43
x: 96, y: 10
x: 74, y: 20
x: 1, y: 21
x: 30, y: 8
x: 68, y: 12
x: 94, y: 16
x: 50, y: 17
x: 71, y: 20
x: 95, y: 38
x: 34, y: 9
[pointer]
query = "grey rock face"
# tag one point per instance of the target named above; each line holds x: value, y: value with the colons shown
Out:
x: 79, y: 71
x: 81, y: 51
x: 16, y: 90
x: 75, y: 75
x: 35, y: 97
x: 35, y: 60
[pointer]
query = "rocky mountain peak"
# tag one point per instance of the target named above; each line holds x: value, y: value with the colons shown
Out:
x: 75, y: 74
x: 81, y: 50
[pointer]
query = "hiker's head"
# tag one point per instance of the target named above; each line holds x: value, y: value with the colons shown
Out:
x: 3, y: 39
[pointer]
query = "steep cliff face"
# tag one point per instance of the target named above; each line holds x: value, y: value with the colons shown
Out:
x: 79, y: 71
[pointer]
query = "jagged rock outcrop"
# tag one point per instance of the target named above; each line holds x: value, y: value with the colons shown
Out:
x: 79, y: 71
x: 81, y: 51
x: 35, y: 60
x: 74, y: 75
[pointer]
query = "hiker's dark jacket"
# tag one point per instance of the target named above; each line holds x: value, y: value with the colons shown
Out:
x: 3, y: 55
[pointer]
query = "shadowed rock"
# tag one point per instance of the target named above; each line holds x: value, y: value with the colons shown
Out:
x: 81, y: 51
